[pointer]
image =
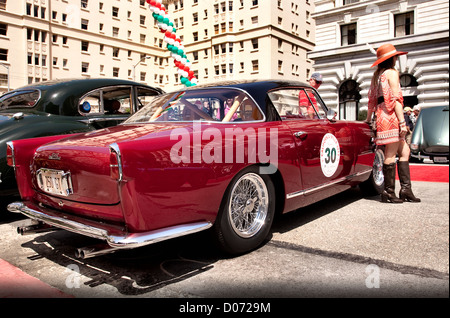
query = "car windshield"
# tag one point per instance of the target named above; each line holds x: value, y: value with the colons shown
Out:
x: 219, y: 104
x: 19, y: 99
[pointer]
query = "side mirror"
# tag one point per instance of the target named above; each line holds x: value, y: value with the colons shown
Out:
x: 331, y: 115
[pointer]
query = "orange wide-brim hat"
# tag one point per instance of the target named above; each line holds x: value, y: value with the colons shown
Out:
x: 385, y: 52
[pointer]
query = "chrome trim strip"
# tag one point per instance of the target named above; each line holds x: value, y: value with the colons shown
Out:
x: 325, y: 185
x: 115, y: 147
x: 125, y: 241
x: 11, y: 145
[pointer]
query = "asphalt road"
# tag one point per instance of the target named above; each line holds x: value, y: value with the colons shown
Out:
x: 345, y: 246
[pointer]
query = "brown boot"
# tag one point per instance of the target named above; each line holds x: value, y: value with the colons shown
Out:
x: 388, y: 194
x: 406, y: 193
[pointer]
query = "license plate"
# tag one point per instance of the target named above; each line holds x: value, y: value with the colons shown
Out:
x: 54, y: 182
x: 440, y: 159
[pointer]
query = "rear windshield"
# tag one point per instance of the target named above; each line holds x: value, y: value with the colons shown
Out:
x: 19, y: 99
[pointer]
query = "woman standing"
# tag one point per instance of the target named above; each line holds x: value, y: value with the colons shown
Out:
x: 386, y: 101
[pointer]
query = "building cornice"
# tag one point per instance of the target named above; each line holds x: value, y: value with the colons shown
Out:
x: 398, y: 42
x: 368, y: 4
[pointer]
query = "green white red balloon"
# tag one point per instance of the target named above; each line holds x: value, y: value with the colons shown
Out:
x: 174, y: 44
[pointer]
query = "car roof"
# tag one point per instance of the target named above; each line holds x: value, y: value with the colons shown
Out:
x: 70, y: 89
x: 250, y: 85
x: 79, y: 82
x: 256, y: 88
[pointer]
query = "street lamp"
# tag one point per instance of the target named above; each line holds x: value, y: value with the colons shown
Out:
x: 140, y: 61
x: 7, y: 67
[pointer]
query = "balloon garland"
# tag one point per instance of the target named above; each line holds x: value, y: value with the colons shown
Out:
x: 173, y: 41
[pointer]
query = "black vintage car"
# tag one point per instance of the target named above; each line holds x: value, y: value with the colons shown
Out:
x: 65, y: 107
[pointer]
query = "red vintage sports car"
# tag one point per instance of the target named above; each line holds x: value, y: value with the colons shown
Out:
x: 220, y: 157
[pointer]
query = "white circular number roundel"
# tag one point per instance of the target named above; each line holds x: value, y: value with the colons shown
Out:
x: 330, y: 155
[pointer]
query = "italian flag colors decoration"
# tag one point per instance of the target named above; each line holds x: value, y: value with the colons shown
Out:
x: 174, y: 44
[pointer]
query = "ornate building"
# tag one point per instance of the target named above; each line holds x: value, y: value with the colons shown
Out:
x: 224, y: 40
x: 349, y: 31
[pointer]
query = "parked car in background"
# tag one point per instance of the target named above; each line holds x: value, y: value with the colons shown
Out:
x: 430, y: 138
x: 225, y: 157
x: 64, y: 107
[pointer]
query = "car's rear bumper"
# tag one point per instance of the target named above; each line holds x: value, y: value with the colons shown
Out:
x: 114, y: 235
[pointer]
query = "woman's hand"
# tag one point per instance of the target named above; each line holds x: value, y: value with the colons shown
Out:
x: 403, y: 129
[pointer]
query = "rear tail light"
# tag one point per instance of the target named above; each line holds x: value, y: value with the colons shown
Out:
x: 10, y: 160
x: 115, y: 162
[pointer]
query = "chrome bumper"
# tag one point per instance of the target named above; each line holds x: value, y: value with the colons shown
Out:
x: 114, y: 237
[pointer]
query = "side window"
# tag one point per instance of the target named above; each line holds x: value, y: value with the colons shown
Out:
x: 145, y: 96
x: 301, y: 103
x: 108, y: 101
x: 117, y: 100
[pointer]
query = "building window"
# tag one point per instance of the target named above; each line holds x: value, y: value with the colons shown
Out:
x: 345, y: 2
x: 3, y: 29
x: 116, y: 52
x: 255, y: 66
x: 115, y: 32
x: 404, y: 24
x: 84, y: 3
x: 3, y: 55
x: 115, y: 72
x: 84, y: 67
x: 3, y: 79
x: 3, y: 4
x: 280, y: 66
x: 349, y: 98
x: 409, y: 85
x: 84, y: 24
x: 348, y: 34
x: 84, y: 46
x: 255, y: 44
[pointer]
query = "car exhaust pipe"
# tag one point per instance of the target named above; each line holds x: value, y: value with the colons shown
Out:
x: 36, y: 228
x: 94, y: 251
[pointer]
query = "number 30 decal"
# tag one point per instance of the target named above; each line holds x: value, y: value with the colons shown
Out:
x: 330, y: 155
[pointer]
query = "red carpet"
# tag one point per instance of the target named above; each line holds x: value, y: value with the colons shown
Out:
x: 16, y: 284
x: 429, y: 173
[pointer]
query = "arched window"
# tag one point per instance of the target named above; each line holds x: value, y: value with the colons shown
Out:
x: 349, y: 98
x: 409, y: 85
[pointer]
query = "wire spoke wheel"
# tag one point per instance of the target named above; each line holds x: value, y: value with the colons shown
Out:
x: 246, y: 212
x: 248, y: 206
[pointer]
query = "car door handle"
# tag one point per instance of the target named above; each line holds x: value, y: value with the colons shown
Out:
x: 301, y: 135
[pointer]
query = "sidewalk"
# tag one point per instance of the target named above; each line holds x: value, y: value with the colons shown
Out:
x: 14, y: 283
